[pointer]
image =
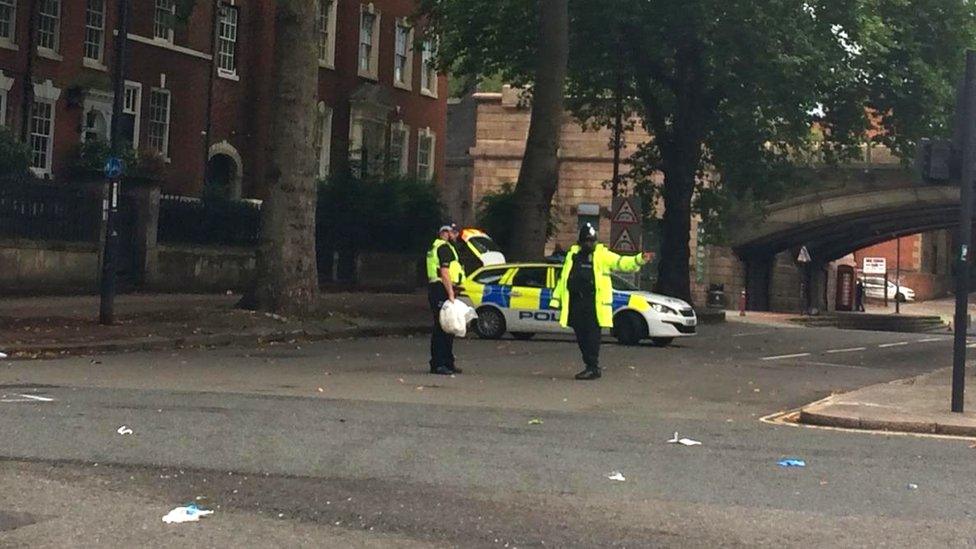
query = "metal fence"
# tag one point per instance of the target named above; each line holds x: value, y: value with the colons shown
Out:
x: 41, y: 211
x: 186, y: 220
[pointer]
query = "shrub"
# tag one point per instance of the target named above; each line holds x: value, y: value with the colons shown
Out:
x: 496, y: 216
x: 14, y: 155
x: 93, y: 154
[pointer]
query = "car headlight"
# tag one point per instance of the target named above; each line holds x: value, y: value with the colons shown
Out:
x: 664, y: 309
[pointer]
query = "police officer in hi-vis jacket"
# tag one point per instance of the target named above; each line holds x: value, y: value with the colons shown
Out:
x: 584, y: 294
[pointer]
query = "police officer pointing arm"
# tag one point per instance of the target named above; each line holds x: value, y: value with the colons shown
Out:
x: 584, y: 294
x: 444, y: 274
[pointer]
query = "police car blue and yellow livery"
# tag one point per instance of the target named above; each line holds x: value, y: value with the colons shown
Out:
x: 518, y: 298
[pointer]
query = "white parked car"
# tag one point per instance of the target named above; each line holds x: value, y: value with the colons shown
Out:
x: 874, y: 288
x: 514, y: 298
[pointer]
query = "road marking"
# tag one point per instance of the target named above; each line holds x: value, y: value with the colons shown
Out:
x: 832, y: 365
x: 27, y: 398
x: 781, y: 357
x: 889, y: 345
x: 971, y: 346
x: 931, y: 339
x: 851, y: 350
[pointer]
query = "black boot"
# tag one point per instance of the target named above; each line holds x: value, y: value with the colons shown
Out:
x: 588, y: 374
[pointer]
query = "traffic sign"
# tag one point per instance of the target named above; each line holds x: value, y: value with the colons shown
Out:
x: 875, y: 265
x: 625, y: 239
x: 114, y: 167
x: 625, y: 211
x: 804, y: 256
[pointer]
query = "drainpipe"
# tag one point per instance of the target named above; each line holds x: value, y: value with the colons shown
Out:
x: 210, y: 91
x: 27, y: 102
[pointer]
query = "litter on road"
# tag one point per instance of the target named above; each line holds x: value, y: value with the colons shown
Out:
x: 124, y: 430
x: 792, y: 462
x: 912, y: 486
x: 3, y: 355
x: 683, y: 441
x: 617, y: 476
x: 535, y: 421
x: 190, y: 513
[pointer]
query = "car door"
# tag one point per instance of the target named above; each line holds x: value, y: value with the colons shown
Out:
x: 528, y: 313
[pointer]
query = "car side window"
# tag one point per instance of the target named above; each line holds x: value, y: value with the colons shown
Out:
x: 530, y: 277
x: 556, y: 273
x: 491, y: 276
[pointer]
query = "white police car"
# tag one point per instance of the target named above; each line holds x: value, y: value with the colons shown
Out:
x: 515, y: 298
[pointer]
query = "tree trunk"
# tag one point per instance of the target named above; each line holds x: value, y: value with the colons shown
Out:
x: 674, y: 274
x: 287, y: 278
x: 539, y: 174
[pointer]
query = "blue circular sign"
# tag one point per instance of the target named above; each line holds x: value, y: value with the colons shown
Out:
x: 114, y: 167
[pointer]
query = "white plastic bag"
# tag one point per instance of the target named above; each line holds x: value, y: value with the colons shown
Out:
x: 455, y: 316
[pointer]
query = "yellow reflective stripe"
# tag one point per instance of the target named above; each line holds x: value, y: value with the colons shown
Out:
x: 638, y: 303
x: 527, y: 298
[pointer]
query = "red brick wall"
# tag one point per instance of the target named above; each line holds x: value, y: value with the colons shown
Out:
x: 911, y: 259
x: 241, y: 110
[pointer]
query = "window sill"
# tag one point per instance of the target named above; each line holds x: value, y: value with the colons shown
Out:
x: 402, y: 86
x: 327, y: 65
x: 41, y: 172
x: 369, y: 76
x: 49, y: 54
x: 227, y: 75
x: 94, y: 65
x: 427, y: 93
x: 8, y: 45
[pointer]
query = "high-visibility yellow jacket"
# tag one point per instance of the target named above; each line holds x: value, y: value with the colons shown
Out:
x: 604, y: 262
x: 433, y: 264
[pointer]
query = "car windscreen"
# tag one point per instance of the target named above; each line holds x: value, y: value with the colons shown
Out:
x: 620, y: 283
x: 484, y: 244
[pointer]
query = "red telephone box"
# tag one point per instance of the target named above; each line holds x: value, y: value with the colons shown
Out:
x: 845, y: 288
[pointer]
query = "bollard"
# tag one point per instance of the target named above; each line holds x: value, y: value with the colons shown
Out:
x: 742, y: 303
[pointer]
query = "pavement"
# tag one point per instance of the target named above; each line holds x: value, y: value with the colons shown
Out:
x: 349, y: 443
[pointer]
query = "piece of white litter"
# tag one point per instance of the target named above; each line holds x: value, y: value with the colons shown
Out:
x: 190, y: 513
x: 683, y: 441
x: 3, y: 355
x: 617, y: 475
x: 123, y: 430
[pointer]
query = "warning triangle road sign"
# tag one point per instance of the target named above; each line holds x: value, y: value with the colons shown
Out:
x: 804, y: 256
x: 626, y: 214
x: 624, y: 243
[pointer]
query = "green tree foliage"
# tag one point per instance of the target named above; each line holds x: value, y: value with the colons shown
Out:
x: 497, y: 216
x: 731, y: 89
x: 398, y: 215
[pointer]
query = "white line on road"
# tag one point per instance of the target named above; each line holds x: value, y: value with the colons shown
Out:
x: 27, y: 398
x: 971, y: 346
x: 781, y: 357
x: 932, y: 339
x: 851, y: 350
x: 889, y: 345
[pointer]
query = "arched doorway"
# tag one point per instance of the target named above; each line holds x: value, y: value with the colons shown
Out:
x: 221, y: 177
x: 224, y: 172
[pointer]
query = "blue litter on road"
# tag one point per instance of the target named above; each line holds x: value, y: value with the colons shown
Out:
x: 792, y: 462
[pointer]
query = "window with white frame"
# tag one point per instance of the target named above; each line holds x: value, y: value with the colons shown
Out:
x: 369, y: 38
x: 6, y: 83
x: 425, y: 154
x: 325, y: 23
x: 159, y: 111
x: 399, y: 149
x: 8, y: 20
x: 323, y: 139
x: 49, y: 25
x: 131, y: 113
x: 403, y: 55
x: 428, y: 70
x: 41, y: 135
x: 94, y: 30
x: 164, y: 20
x: 367, y: 144
x: 227, y: 41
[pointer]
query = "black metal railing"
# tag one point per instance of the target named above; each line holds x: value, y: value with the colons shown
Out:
x: 186, y: 220
x: 41, y: 211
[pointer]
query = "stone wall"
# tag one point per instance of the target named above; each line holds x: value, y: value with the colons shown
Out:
x: 28, y: 266
x: 201, y: 269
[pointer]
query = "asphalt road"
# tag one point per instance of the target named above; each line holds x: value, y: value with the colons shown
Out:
x: 350, y: 443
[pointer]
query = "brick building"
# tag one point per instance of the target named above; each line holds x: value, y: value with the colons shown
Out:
x: 199, y: 91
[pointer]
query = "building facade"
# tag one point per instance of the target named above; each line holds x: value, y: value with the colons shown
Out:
x: 200, y: 88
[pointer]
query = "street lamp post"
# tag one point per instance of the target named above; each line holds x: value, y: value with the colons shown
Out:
x: 113, y: 173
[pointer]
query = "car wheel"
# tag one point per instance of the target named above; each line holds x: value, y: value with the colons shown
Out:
x: 629, y: 328
x: 522, y: 336
x: 900, y: 297
x: 490, y: 323
x: 662, y: 341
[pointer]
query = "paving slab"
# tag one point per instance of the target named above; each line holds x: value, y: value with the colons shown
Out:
x: 914, y: 405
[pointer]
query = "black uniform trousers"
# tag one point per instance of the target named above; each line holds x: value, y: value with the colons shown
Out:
x: 441, y: 342
x: 583, y: 320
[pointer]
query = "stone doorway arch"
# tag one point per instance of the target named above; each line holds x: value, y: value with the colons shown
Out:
x: 225, y: 171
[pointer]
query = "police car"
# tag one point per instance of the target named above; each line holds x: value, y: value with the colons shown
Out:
x: 514, y: 298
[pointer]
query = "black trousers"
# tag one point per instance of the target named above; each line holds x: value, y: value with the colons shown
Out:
x: 441, y: 342
x: 582, y: 318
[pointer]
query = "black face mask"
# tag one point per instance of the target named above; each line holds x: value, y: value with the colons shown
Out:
x: 588, y: 246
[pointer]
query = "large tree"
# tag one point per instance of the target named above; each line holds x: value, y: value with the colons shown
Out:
x: 730, y: 89
x: 287, y: 278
